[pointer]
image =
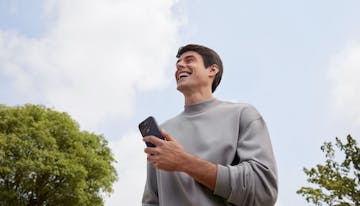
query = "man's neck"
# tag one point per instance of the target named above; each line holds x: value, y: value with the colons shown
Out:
x: 197, y: 98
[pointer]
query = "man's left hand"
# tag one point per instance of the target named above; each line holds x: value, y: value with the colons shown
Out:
x: 168, y: 154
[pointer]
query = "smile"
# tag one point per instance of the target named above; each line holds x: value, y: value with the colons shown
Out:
x: 183, y: 75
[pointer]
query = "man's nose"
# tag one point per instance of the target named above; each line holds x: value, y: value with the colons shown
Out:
x: 180, y: 65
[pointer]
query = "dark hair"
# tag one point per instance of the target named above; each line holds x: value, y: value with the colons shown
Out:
x: 209, y: 56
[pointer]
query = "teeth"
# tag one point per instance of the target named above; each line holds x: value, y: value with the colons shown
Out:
x: 183, y: 75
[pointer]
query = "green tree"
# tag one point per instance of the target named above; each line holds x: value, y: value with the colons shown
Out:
x: 46, y: 160
x: 338, y: 184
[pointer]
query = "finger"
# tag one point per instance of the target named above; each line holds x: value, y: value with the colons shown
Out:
x: 155, y: 140
x: 152, y: 158
x: 151, y: 150
x: 156, y: 165
x: 167, y: 136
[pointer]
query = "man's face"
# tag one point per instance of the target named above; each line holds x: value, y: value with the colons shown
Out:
x: 191, y: 73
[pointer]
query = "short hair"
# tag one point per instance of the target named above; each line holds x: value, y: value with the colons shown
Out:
x: 209, y: 56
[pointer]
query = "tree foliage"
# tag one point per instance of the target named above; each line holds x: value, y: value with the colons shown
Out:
x: 46, y: 160
x: 338, y: 184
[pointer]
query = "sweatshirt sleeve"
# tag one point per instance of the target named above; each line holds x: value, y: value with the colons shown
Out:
x: 150, y: 195
x: 252, y: 181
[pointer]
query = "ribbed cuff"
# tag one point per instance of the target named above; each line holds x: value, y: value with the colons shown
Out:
x: 222, y: 186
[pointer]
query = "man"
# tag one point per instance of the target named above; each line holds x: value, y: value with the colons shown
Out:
x: 214, y: 152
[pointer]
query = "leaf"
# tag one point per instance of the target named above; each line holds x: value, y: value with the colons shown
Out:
x: 46, y: 160
x: 335, y: 183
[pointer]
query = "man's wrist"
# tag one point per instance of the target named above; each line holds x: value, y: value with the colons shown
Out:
x: 186, y: 162
x: 201, y: 170
x: 189, y: 162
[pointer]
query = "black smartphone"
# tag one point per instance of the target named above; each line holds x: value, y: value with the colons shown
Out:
x: 150, y: 127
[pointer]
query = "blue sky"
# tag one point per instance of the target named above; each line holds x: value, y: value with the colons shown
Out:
x: 110, y: 64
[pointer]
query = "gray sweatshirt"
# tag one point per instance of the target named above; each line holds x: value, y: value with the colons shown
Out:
x: 233, y: 136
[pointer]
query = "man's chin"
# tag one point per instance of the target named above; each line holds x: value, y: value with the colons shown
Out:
x: 181, y: 87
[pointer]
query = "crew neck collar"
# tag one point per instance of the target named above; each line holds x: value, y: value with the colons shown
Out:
x: 199, y: 107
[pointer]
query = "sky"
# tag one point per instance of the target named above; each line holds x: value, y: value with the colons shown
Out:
x: 111, y: 63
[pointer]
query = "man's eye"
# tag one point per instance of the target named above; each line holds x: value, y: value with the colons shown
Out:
x: 189, y: 60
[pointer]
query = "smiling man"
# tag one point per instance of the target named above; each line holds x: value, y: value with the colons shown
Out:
x: 214, y: 152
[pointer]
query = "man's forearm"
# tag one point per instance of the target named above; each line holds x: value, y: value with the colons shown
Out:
x: 201, y: 170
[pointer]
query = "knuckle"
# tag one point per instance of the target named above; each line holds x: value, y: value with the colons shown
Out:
x: 157, y: 152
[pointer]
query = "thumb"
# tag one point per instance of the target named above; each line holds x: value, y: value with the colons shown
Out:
x: 167, y: 136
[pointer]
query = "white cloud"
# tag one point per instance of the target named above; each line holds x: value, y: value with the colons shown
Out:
x: 344, y: 75
x: 131, y: 168
x: 93, y: 57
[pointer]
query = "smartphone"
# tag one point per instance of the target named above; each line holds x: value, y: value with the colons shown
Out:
x: 149, y: 127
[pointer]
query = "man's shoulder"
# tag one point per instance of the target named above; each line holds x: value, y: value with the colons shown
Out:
x: 247, y: 111
x: 236, y: 105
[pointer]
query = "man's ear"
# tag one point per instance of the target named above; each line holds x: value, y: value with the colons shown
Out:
x: 213, y: 70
